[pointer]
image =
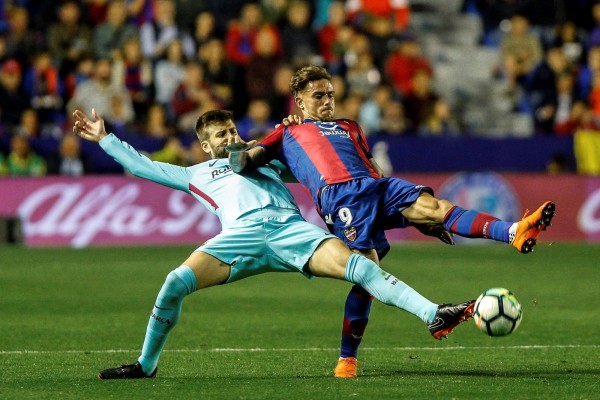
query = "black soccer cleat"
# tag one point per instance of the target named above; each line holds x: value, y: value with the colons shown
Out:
x: 448, y: 316
x: 131, y: 371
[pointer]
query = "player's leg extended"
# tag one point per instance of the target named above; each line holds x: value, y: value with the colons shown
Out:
x: 476, y: 224
x: 199, y: 271
x: 334, y: 259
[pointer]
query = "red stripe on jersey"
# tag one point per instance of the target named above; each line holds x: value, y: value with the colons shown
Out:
x: 359, y: 136
x: 322, y: 154
x: 204, y: 196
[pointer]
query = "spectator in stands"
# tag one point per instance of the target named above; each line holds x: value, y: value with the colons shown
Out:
x: 169, y: 73
x: 393, y: 119
x: 132, y: 70
x: 404, y: 62
x: 381, y: 38
x: 257, y: 121
x: 191, y: 91
x: 560, y: 108
x: 22, y: 160
x: 521, y: 51
x: 70, y: 160
x: 13, y: 97
x: 240, y: 43
x: 83, y: 72
x: 593, y: 39
x: 241, y: 34
x: 204, y: 29
x: 191, y: 98
x: 541, y: 82
x: 110, y: 36
x: 281, y: 101
x: 45, y: 88
x: 262, y: 65
x: 419, y: 102
x: 155, y: 35
x: 69, y: 39
x: 328, y: 36
x: 572, y: 43
x: 217, y: 70
x: 30, y: 126
x: 363, y: 76
x: 587, y: 72
x: 110, y: 99
x: 299, y: 40
x: 156, y: 123
x: 21, y: 41
x: 370, y: 116
x: 440, y: 122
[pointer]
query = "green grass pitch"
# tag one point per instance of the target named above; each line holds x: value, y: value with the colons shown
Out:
x: 66, y: 314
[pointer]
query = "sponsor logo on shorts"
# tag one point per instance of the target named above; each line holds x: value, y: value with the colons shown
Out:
x: 350, y: 234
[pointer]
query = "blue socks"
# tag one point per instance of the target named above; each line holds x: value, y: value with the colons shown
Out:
x: 476, y: 224
x: 356, y: 317
x: 179, y: 283
x: 387, y: 288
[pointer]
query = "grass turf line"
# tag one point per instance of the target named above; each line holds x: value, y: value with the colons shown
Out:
x: 63, y: 310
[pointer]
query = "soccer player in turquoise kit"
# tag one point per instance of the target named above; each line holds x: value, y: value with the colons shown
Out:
x: 331, y: 158
x: 262, y: 231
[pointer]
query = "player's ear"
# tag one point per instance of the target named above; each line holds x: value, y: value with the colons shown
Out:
x: 299, y: 102
x: 205, y: 146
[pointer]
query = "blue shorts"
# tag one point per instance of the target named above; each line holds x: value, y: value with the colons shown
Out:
x: 360, y: 211
x: 271, y: 244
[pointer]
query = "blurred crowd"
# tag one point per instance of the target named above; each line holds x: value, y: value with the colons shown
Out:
x: 150, y: 67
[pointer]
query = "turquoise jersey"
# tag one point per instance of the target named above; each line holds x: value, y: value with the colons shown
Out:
x: 229, y: 195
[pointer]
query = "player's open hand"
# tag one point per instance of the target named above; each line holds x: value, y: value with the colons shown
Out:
x: 237, y: 144
x: 291, y: 119
x: 88, y: 129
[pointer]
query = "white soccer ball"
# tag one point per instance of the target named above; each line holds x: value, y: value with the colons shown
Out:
x: 497, y: 312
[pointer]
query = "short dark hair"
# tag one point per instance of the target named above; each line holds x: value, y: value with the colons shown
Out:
x: 305, y: 75
x: 209, y: 118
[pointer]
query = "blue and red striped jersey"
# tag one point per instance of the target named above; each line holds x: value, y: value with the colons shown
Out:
x: 321, y: 153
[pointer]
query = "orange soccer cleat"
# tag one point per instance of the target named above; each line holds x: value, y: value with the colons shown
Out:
x: 529, y: 227
x: 346, y: 368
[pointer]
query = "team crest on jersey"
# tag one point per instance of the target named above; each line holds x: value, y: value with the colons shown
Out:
x: 350, y: 233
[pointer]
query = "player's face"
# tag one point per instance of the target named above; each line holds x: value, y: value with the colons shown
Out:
x: 218, y: 136
x: 316, y: 101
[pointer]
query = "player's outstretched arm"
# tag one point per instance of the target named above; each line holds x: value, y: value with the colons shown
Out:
x: 87, y: 129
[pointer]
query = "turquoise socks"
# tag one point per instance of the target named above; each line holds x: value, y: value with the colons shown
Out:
x: 387, y: 288
x: 179, y: 283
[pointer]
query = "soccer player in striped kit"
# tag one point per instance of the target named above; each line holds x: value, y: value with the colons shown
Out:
x: 262, y: 231
x: 331, y: 158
